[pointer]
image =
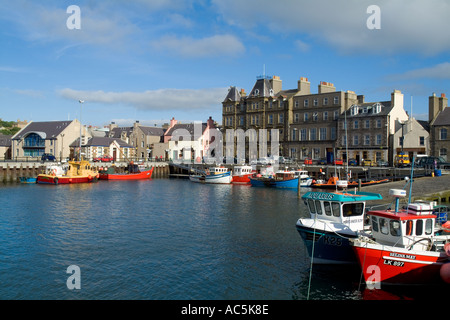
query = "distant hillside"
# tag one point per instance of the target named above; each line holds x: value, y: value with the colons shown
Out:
x: 8, y: 127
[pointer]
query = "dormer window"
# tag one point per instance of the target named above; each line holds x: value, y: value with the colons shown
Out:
x: 354, y: 110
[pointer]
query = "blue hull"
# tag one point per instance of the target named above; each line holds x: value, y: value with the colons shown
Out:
x: 329, y: 247
x: 272, y: 183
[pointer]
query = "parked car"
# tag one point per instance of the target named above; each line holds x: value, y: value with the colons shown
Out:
x: 338, y: 162
x: 322, y: 161
x: 431, y: 161
x: 308, y: 161
x: 382, y: 163
x: 97, y: 159
x: 369, y: 163
x: 48, y: 157
x: 107, y: 159
x: 352, y: 162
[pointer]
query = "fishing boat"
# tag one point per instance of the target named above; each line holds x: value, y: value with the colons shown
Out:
x: 241, y: 174
x: 27, y: 179
x: 72, y: 172
x: 281, y: 179
x: 305, y: 178
x: 334, y: 218
x: 336, y: 183
x: 133, y: 172
x: 217, y: 175
x: 403, y: 248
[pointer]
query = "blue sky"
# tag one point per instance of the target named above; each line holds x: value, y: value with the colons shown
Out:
x: 151, y: 60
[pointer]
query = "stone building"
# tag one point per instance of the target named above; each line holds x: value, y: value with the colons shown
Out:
x: 439, y: 117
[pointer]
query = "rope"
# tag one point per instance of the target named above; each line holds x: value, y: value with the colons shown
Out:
x: 312, y: 257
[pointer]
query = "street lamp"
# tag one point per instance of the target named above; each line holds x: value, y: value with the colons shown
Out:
x: 81, y: 104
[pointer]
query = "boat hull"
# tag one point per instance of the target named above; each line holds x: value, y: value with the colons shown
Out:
x: 27, y: 180
x: 328, y: 247
x: 222, y: 178
x: 147, y: 174
x: 349, y: 184
x: 241, y: 179
x: 55, y: 180
x: 386, y: 265
x: 273, y: 183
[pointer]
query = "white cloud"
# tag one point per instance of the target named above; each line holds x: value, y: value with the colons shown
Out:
x: 439, y: 71
x: 406, y: 25
x: 218, y: 45
x: 158, y: 100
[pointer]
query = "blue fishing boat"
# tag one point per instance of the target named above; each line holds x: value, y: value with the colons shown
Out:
x: 27, y: 179
x: 281, y: 179
x: 334, y: 218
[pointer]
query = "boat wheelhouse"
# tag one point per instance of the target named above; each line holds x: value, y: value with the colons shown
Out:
x: 404, y: 247
x: 334, y: 218
x: 305, y: 178
x: 241, y: 174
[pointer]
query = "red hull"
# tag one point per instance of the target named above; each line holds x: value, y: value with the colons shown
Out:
x: 64, y: 180
x: 400, y: 267
x: 127, y: 176
x: 243, y: 179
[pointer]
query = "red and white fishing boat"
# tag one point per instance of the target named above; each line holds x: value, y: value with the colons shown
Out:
x: 404, y: 247
x: 133, y: 172
x: 241, y: 174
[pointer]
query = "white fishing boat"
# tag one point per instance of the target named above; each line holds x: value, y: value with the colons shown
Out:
x: 213, y: 175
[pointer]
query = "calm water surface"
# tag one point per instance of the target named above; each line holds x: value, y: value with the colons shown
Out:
x: 159, y: 239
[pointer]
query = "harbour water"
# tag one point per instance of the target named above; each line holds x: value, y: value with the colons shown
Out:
x: 161, y: 239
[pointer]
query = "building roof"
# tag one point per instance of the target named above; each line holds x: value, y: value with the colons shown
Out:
x: 152, y: 131
x: 261, y: 89
x: 47, y: 129
x: 181, y: 128
x: 369, y: 107
x: 5, y: 140
x: 443, y: 118
x: 101, y: 142
x: 117, y: 132
x: 233, y: 95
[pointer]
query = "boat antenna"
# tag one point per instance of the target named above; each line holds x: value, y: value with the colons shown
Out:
x: 411, y: 182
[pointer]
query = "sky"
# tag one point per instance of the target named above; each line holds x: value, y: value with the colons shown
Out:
x: 151, y: 60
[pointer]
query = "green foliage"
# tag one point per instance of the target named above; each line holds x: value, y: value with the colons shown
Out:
x: 7, y: 127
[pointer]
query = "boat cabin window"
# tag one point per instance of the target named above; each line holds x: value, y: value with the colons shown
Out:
x: 384, y: 226
x: 374, y: 224
x: 336, y: 209
x: 352, y: 209
x: 395, y: 228
x: 312, y: 206
x: 318, y: 207
x: 419, y: 227
x: 327, y: 208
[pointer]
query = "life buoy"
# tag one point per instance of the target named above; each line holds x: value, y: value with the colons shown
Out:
x: 409, y: 225
x: 90, y: 177
x: 55, y: 180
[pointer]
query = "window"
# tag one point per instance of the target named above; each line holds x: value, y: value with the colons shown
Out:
x: 294, y: 134
x: 312, y: 206
x: 306, y: 103
x: 303, y: 135
x: 305, y: 117
x: 336, y: 115
x: 325, y: 115
x: 367, y: 140
x: 419, y: 227
x: 374, y: 223
x: 315, y: 116
x: 355, y: 124
x: 270, y: 120
x: 352, y: 209
x: 379, y: 123
x: 318, y: 207
x: 443, y: 153
x: 296, y: 117
x: 315, y: 102
x: 367, y: 126
x: 443, y: 134
x: 281, y: 118
x: 241, y: 120
x: 429, y: 226
x: 312, y: 134
x: 422, y: 141
x: 383, y: 226
x: 394, y: 228
x: 336, y: 209
x: 327, y: 208
x: 296, y: 103
x: 333, y: 133
x: 325, y: 101
x: 336, y: 100
x: 323, y: 134
x: 378, y: 142
x: 355, y: 140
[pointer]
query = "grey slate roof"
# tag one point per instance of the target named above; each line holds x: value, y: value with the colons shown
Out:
x: 47, y: 129
x: 262, y: 88
x: 152, y: 131
x: 443, y: 118
x: 5, y: 140
x: 233, y: 95
x: 386, y: 108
